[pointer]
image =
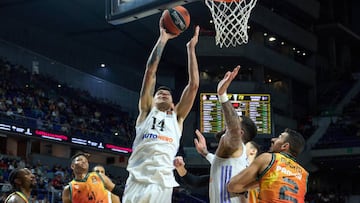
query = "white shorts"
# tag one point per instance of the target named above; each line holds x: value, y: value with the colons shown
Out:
x: 136, y: 192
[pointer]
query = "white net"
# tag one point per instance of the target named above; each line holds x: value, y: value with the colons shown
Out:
x: 231, y: 20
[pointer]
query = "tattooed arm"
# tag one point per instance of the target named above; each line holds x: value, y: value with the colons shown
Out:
x: 229, y: 145
x: 149, y: 80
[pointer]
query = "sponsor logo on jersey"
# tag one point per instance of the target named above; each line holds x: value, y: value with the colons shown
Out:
x: 288, y: 172
x: 155, y: 136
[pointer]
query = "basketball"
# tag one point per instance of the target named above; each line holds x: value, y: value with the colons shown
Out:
x: 176, y: 20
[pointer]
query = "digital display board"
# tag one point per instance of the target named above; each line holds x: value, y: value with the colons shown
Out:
x: 255, y: 106
x: 98, y: 143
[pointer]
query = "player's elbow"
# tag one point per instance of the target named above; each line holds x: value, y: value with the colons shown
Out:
x: 193, y: 86
x: 234, y: 187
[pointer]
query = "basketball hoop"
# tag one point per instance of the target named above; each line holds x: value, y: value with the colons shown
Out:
x: 230, y: 19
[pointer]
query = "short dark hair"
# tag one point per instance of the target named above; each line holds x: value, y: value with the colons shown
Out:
x: 97, y: 165
x: 85, y: 154
x: 163, y: 88
x: 256, y: 146
x: 296, y: 141
x: 219, y: 134
x: 249, y: 128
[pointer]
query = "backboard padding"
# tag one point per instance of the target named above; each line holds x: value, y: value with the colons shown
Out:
x: 124, y: 11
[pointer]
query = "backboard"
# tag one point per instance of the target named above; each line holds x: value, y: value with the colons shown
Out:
x: 124, y: 11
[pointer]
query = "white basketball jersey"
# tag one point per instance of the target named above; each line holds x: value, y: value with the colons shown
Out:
x: 154, y: 149
x: 221, y: 171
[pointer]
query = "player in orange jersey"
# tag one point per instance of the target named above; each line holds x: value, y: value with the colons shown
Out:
x: 281, y: 179
x: 101, y: 170
x: 85, y: 187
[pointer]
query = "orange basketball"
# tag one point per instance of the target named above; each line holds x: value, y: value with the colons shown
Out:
x: 176, y: 20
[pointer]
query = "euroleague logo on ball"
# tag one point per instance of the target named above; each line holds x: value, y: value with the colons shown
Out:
x: 178, y: 20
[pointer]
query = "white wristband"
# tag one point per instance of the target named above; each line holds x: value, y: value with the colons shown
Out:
x: 210, y: 157
x: 223, y: 98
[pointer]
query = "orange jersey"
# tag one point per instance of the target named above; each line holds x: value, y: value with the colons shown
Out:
x: 89, y: 189
x: 283, y: 181
x: 253, y: 195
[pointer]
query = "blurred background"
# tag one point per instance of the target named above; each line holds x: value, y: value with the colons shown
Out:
x: 71, y: 73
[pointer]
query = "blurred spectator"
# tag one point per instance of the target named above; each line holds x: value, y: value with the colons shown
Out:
x: 54, y: 108
x: 57, y: 182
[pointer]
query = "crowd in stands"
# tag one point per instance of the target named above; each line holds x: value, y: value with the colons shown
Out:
x: 326, y: 197
x: 344, y: 130
x: 56, y: 107
x: 43, y: 103
x: 306, y: 126
x: 50, y: 179
x: 46, y: 104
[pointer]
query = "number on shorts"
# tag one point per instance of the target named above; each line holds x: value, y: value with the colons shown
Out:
x: 290, y: 190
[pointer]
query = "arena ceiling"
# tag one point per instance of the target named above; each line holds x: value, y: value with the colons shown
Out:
x: 76, y: 33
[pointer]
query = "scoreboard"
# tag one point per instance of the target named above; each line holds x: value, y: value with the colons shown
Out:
x: 255, y: 106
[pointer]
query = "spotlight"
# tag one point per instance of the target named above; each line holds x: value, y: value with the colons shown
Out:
x: 271, y: 39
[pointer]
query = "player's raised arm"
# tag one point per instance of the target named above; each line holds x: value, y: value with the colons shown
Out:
x: 232, y: 139
x: 189, y: 93
x: 247, y: 178
x: 149, y: 80
x: 201, y: 148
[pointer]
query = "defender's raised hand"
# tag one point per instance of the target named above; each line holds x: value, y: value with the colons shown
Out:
x: 200, y: 143
x: 225, y: 82
x: 194, y: 40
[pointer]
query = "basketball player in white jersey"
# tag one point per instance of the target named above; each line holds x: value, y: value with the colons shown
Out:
x: 158, y: 129
x: 230, y: 156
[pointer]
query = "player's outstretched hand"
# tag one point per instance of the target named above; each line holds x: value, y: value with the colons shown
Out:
x: 107, y: 182
x: 194, y: 40
x: 179, y: 162
x: 200, y: 143
x: 228, y: 78
x: 163, y: 34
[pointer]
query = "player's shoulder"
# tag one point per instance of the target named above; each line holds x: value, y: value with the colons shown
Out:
x: 14, y: 198
x: 144, y: 114
x: 265, y: 157
x: 67, y: 188
x: 93, y: 173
